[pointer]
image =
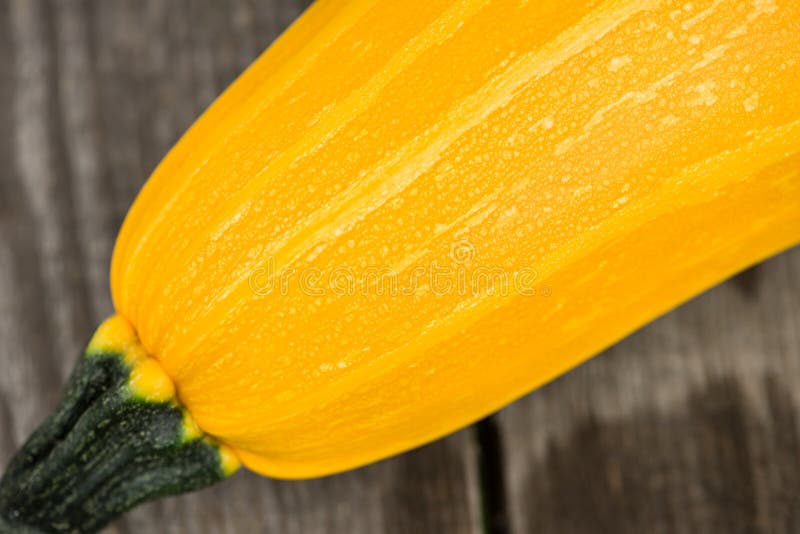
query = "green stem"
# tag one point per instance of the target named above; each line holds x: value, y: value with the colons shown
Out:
x: 101, y: 453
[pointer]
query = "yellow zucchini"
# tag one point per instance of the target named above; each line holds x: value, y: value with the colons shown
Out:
x: 405, y: 215
x: 627, y: 154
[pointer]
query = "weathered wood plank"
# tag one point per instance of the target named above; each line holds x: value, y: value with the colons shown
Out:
x: 690, y: 425
x: 92, y: 95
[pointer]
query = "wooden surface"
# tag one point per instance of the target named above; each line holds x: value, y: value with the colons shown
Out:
x: 690, y: 425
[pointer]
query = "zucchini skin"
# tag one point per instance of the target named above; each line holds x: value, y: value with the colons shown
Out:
x: 620, y: 155
x: 104, y: 450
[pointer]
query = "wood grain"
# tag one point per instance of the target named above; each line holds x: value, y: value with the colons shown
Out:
x: 690, y: 425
